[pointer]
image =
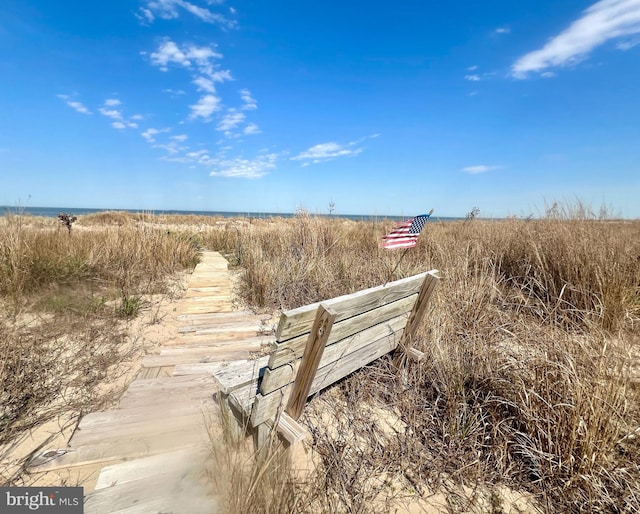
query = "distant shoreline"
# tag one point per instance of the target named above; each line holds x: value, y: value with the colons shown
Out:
x: 52, y: 212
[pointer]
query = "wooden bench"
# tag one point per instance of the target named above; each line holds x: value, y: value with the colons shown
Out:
x: 314, y: 347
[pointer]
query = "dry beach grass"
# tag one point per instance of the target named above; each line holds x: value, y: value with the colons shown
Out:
x: 530, y: 382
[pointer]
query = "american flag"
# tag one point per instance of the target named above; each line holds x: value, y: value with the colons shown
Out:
x: 406, y: 234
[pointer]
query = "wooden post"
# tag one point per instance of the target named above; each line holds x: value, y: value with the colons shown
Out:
x: 419, y: 309
x: 313, y: 351
x: 234, y: 429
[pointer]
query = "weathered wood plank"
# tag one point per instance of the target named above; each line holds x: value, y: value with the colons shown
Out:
x: 292, y: 349
x: 138, y: 429
x: 292, y: 431
x: 174, y: 360
x: 298, y: 321
x: 169, y: 490
x: 310, y: 360
x: 276, y: 378
x: 233, y: 375
x: 147, y: 467
x: 124, y: 416
x: 266, y: 407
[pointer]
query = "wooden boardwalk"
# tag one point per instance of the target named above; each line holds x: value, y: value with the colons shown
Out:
x: 155, y: 446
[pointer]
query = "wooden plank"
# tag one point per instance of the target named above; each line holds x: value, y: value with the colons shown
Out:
x: 121, y: 450
x: 169, y: 490
x: 201, y: 340
x: 292, y: 349
x: 417, y: 314
x: 276, y: 378
x: 310, y: 360
x: 216, y: 347
x: 175, y: 360
x: 298, y: 321
x: 233, y: 375
x: 219, y: 316
x: 135, y: 415
x: 266, y: 407
x: 147, y: 467
x: 292, y: 431
x: 143, y: 428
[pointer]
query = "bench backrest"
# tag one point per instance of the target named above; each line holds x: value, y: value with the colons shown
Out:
x: 365, y: 326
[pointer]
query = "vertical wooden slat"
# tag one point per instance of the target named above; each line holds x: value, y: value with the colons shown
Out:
x: 419, y: 308
x: 310, y: 360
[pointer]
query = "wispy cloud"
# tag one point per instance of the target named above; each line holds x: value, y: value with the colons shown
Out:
x: 175, y: 92
x: 328, y: 151
x: 112, y: 102
x: 480, y: 168
x: 204, y: 84
x: 244, y: 168
x: 150, y: 133
x: 472, y: 78
x: 502, y: 30
x: 78, y: 106
x: 118, y: 125
x: 249, y: 102
x: 205, y: 107
x: 251, y: 129
x: 230, y: 121
x: 603, y: 21
x: 170, y: 9
x: 110, y: 113
x: 169, y: 52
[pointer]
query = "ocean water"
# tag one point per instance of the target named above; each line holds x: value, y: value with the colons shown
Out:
x: 52, y: 212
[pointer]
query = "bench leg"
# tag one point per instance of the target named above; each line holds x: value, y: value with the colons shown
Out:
x: 232, y: 421
x: 262, y: 440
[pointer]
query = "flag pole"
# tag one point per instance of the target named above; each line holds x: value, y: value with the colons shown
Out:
x: 396, y: 266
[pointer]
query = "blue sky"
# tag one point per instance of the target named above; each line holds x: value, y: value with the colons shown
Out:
x: 387, y: 109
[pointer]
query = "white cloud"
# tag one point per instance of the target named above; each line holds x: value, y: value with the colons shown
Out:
x: 172, y: 147
x: 327, y: 151
x: 205, y: 84
x: 168, y: 52
x: 112, y: 102
x: 151, y: 132
x: 244, y: 168
x: 111, y: 113
x: 202, y: 58
x: 78, y: 106
x: 251, y: 129
x: 205, y: 107
x: 230, y: 120
x: 169, y: 9
x: 472, y: 78
x: 132, y: 125
x: 603, y: 21
x: 174, y: 91
x: 118, y: 125
x: 180, y: 137
x: 136, y: 117
x: 220, y: 75
x: 480, y: 168
x: 472, y: 68
x: 249, y: 102
x: 502, y: 30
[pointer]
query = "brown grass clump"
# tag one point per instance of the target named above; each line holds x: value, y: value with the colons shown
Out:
x: 63, y: 299
x: 530, y: 379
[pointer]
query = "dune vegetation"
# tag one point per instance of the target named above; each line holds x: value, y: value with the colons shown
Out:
x: 530, y: 382
x: 65, y: 300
